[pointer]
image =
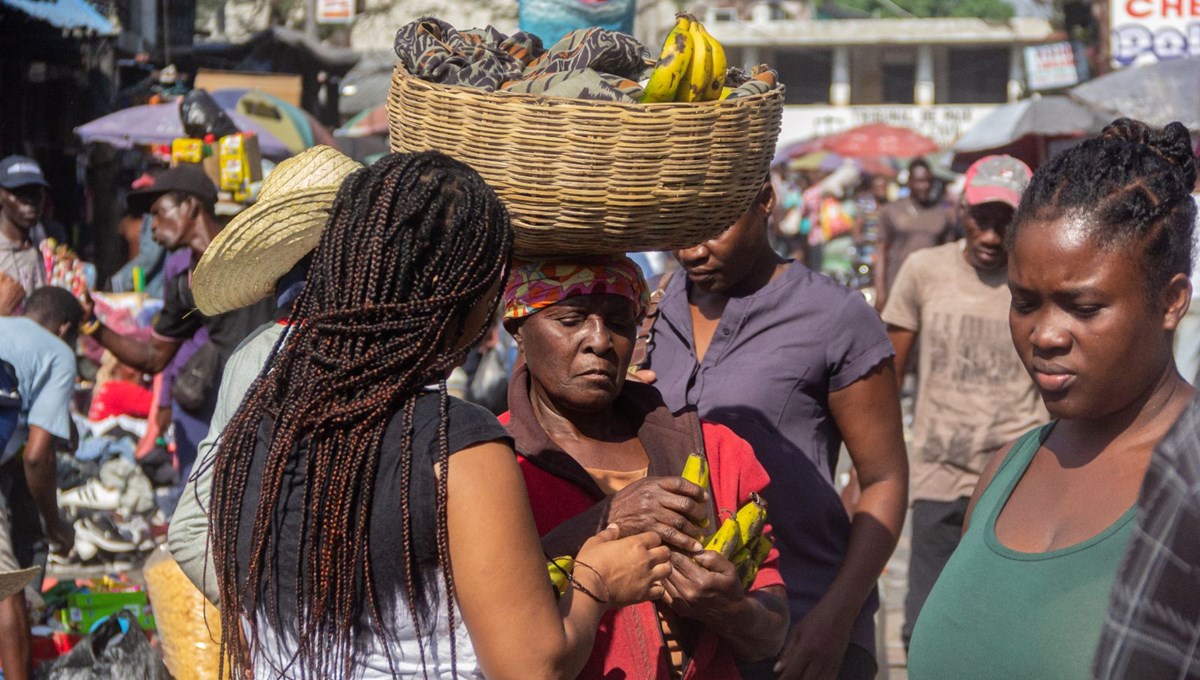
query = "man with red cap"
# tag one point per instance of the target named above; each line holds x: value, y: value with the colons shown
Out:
x: 973, y: 395
x: 181, y: 204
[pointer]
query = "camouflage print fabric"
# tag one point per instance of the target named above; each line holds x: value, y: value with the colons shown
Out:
x: 584, y: 84
x: 589, y: 63
x: 433, y: 50
x: 608, y: 52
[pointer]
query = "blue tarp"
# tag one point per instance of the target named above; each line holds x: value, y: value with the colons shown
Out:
x: 68, y: 14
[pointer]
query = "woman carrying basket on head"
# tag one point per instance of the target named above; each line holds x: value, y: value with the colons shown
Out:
x: 369, y: 525
x: 596, y: 448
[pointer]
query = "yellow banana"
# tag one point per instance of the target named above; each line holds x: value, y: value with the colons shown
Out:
x: 727, y: 540
x: 751, y: 518
x: 672, y: 68
x: 760, y: 549
x: 695, y: 470
x: 725, y: 92
x: 742, y: 556
x: 716, y: 82
x: 699, y: 72
x: 560, y: 568
x: 746, y: 572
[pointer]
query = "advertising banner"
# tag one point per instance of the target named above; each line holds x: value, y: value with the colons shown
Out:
x: 1154, y: 30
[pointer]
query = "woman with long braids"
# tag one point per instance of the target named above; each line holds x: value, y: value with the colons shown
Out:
x: 1100, y: 252
x: 365, y: 524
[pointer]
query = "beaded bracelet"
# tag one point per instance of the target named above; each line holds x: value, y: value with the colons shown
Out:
x: 579, y: 586
x: 89, y: 327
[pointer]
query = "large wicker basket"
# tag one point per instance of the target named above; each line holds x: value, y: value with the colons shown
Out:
x: 592, y: 177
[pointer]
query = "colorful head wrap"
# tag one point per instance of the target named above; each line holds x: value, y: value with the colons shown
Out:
x: 536, y: 284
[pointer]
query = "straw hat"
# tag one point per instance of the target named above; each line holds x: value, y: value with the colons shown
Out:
x: 13, y: 582
x: 247, y: 258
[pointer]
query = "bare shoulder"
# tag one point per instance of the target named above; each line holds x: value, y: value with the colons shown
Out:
x: 986, y: 477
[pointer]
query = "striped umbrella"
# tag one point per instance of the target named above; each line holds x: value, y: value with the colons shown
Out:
x: 373, y: 121
x: 293, y: 126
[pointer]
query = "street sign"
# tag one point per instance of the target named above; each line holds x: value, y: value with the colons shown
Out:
x: 1050, y: 67
x: 335, y: 11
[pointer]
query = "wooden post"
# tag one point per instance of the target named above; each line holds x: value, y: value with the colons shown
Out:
x: 1102, y: 13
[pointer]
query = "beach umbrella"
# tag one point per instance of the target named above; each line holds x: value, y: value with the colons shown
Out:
x: 161, y: 124
x: 1156, y: 94
x: 793, y: 150
x: 817, y: 160
x: 372, y: 121
x: 879, y: 140
x: 1025, y: 130
x: 292, y: 125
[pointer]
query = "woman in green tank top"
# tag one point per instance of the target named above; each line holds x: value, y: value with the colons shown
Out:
x: 1100, y: 254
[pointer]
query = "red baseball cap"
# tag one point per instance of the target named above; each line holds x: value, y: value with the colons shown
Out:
x: 996, y: 179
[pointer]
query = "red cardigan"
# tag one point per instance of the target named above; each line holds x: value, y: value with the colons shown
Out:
x: 629, y: 642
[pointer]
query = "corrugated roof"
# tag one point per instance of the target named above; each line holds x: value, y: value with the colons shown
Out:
x: 69, y: 14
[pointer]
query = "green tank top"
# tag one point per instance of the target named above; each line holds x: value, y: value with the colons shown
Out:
x: 997, y: 613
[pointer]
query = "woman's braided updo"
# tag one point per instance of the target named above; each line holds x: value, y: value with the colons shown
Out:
x: 414, y: 243
x: 1131, y: 186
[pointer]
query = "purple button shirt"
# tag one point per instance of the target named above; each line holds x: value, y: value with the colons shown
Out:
x: 774, y: 358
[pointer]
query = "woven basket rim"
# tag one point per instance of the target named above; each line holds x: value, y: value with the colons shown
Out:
x: 401, y: 72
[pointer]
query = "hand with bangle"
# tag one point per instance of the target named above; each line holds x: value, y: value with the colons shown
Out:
x: 621, y: 571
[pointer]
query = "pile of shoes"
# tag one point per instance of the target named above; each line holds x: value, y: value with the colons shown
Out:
x: 109, y: 500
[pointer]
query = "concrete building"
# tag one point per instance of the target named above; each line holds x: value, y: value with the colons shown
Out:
x: 937, y: 76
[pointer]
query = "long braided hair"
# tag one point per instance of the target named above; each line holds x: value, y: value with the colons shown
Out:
x: 414, y: 242
x: 1133, y: 184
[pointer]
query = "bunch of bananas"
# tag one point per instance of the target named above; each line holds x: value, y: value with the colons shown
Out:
x: 691, y: 68
x: 741, y: 541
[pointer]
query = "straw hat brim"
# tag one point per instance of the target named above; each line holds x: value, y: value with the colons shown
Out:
x: 13, y: 582
x: 245, y: 261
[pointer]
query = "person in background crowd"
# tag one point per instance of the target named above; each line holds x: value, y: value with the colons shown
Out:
x: 1099, y: 257
x: 22, y: 197
x: 871, y: 198
x: 1153, y: 620
x: 181, y: 202
x: 38, y: 346
x: 909, y: 224
x: 795, y: 364
x: 974, y: 395
x: 265, y: 250
x: 596, y: 449
x: 355, y: 509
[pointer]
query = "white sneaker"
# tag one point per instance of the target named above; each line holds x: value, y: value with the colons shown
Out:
x: 90, y: 496
x: 94, y: 535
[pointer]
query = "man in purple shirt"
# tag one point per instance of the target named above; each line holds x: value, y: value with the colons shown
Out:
x: 795, y: 364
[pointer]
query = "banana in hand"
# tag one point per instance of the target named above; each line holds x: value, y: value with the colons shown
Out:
x: 560, y: 569
x: 727, y: 540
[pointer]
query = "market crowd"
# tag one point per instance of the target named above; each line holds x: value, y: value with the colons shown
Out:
x: 353, y: 513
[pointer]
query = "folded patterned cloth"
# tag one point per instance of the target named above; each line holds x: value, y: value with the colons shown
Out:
x: 433, y: 50
x: 608, y: 52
